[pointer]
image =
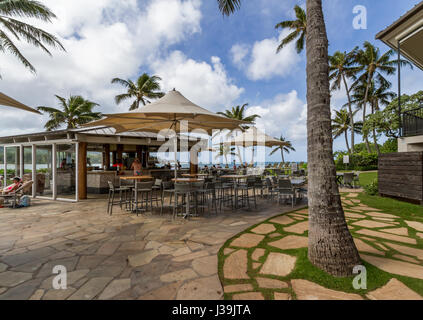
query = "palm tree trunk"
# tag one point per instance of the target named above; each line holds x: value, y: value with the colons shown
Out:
x: 331, y: 246
x: 239, y: 154
x: 283, y: 159
x: 375, y: 136
x: 346, y: 141
x: 350, y: 112
x: 366, y: 97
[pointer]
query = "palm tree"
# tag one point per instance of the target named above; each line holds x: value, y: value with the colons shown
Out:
x: 299, y: 28
x: 331, y: 246
x: 341, y: 124
x: 283, y: 148
x: 145, y: 87
x: 375, y: 67
x: 342, y: 67
x: 10, y: 28
x: 225, y: 151
x: 376, y: 96
x: 238, y: 113
x: 74, y: 111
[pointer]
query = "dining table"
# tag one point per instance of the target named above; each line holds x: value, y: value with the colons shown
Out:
x: 187, y: 181
x: 235, y: 178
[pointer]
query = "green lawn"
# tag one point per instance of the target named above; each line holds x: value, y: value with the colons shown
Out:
x: 367, y: 177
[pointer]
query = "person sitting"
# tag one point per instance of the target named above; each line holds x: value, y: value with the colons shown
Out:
x: 63, y: 164
x: 137, y: 167
x: 17, y: 183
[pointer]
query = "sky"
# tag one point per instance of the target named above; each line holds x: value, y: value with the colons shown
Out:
x: 217, y: 62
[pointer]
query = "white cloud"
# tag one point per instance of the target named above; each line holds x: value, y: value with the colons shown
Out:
x: 108, y: 38
x: 286, y: 114
x: 263, y: 61
x: 207, y: 85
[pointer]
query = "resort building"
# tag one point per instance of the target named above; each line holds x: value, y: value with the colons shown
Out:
x: 401, y: 174
x: 70, y: 164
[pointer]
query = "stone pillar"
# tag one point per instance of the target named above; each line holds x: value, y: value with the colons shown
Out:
x: 82, y: 170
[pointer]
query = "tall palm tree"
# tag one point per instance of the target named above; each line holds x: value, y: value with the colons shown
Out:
x: 331, y: 246
x: 341, y: 124
x: 145, y: 87
x: 375, y: 66
x: 343, y: 66
x: 238, y: 113
x: 378, y: 94
x: 299, y: 28
x: 225, y: 151
x: 74, y: 111
x: 283, y: 148
x: 12, y: 29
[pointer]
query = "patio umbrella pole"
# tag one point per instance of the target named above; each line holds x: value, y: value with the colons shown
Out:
x: 175, y: 146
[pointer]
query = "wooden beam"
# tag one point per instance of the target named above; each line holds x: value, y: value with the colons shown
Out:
x: 119, y: 152
x: 82, y: 171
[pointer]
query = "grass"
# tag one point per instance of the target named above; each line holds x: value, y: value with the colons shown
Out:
x: 376, y: 278
x: 367, y: 177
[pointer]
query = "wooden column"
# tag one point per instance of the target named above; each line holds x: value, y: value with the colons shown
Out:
x: 119, y: 152
x: 106, y: 155
x: 139, y: 150
x: 146, y: 156
x: 193, y: 162
x: 82, y: 170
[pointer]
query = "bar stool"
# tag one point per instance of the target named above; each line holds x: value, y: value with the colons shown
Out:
x: 167, y: 189
x: 123, y: 196
x: 250, y: 184
x: 145, y: 191
x: 182, y: 191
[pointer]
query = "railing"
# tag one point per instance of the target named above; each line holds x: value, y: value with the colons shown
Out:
x: 412, y: 122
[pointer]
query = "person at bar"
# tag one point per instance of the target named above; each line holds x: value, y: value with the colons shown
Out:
x: 137, y: 167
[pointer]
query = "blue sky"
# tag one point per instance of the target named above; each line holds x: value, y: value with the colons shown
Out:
x: 192, y: 47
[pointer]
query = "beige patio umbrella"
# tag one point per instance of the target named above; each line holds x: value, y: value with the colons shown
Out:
x: 10, y: 102
x: 168, y: 113
x: 253, y: 137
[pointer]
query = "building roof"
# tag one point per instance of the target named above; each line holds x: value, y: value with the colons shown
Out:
x: 74, y: 134
x: 408, y: 31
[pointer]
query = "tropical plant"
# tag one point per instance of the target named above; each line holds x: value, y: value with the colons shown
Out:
x: 146, y: 87
x: 343, y: 66
x: 341, y: 124
x: 74, y: 112
x: 283, y: 148
x: 225, y: 151
x: 331, y: 246
x: 375, y: 66
x: 238, y: 113
x: 12, y: 29
x: 299, y: 27
x: 376, y: 97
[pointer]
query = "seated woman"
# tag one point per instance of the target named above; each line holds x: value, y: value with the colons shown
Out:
x: 13, y: 187
x: 137, y: 167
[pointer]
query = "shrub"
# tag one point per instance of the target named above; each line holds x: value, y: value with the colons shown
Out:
x: 361, y: 161
x: 372, y: 189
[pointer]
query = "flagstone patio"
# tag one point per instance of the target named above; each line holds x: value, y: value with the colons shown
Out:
x: 279, y: 258
x: 120, y: 256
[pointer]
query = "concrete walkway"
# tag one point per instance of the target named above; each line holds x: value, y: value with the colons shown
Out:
x: 115, y: 257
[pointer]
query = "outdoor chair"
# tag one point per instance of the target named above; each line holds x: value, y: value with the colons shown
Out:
x: 260, y: 185
x: 225, y: 193
x: 182, y: 192
x: 271, y: 190
x: 348, y: 179
x: 13, y: 198
x: 143, y: 196
x: 157, y: 189
x: 245, y: 188
x: 285, y: 189
x: 207, y: 196
x: 167, y: 189
x: 123, y: 197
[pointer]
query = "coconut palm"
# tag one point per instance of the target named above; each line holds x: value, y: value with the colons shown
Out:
x: 283, y: 148
x: 74, y: 111
x: 225, y: 151
x: 299, y: 28
x: 238, y: 113
x: 331, y: 246
x: 375, y: 66
x: 341, y: 124
x: 377, y: 95
x: 12, y: 29
x: 343, y: 66
x: 145, y: 87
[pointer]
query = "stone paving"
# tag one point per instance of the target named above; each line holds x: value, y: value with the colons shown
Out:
x: 253, y: 265
x: 122, y: 256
